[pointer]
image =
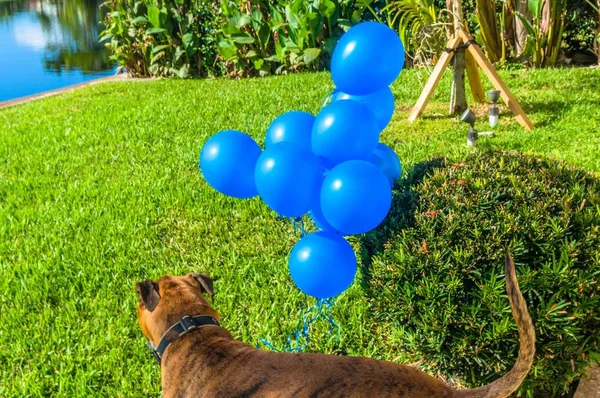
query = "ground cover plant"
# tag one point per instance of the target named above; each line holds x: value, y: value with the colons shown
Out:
x: 100, y: 188
x: 433, y: 275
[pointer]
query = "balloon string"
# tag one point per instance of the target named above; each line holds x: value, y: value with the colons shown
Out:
x: 299, y: 339
x: 299, y: 225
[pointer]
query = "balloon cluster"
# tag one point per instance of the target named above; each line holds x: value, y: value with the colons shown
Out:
x: 330, y: 166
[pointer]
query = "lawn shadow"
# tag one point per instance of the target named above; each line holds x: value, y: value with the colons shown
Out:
x: 400, y: 216
x: 548, y: 112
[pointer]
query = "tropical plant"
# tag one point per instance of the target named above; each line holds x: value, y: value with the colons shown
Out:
x: 260, y: 38
x: 490, y: 33
x: 545, y: 32
x: 162, y: 37
x: 421, y: 27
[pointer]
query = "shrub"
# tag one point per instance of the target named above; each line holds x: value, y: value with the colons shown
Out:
x: 163, y: 37
x: 242, y: 38
x: 581, y: 26
x: 262, y: 38
x: 433, y: 271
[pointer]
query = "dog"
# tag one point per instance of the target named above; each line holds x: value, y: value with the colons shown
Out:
x: 199, y: 358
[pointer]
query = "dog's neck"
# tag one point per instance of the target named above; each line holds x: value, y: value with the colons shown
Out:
x: 202, y: 341
x: 163, y: 322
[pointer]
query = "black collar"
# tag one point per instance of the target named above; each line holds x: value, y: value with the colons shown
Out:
x: 186, y: 325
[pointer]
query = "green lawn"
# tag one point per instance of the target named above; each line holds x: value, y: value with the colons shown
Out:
x: 100, y: 188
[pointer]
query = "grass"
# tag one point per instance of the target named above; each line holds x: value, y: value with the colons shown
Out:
x: 100, y: 189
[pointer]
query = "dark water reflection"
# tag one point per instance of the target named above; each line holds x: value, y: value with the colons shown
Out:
x: 48, y: 44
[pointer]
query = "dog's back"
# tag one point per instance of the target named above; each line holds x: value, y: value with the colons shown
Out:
x: 209, y: 362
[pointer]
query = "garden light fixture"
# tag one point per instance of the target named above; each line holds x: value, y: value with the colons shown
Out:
x: 494, y: 96
x: 472, y: 135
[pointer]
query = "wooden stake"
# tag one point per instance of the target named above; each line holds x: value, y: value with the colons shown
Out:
x: 434, y: 79
x: 497, y: 82
x: 474, y: 78
x: 476, y: 55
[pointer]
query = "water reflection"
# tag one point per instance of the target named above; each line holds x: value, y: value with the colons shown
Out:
x: 46, y: 44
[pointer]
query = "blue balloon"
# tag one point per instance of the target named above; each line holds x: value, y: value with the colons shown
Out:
x: 345, y: 130
x: 288, y: 178
x: 387, y: 161
x: 367, y: 58
x: 381, y: 103
x: 316, y: 214
x: 355, y: 197
x: 227, y: 161
x: 294, y: 126
x: 326, y: 164
x: 322, y: 264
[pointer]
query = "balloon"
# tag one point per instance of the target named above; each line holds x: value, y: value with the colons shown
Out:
x: 366, y: 59
x: 294, y: 126
x: 316, y: 214
x: 355, y: 197
x: 322, y: 264
x: 326, y: 164
x: 227, y: 161
x: 345, y: 130
x: 288, y: 178
x: 381, y: 103
x: 387, y: 161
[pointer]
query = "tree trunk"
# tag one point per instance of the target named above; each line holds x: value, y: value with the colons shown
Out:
x: 509, y: 27
x: 521, y: 6
x: 597, y: 42
x: 458, y: 104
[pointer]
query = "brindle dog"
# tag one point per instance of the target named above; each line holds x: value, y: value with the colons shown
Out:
x: 205, y: 361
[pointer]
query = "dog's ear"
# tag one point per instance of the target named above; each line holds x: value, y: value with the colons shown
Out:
x: 148, y: 294
x: 205, y: 282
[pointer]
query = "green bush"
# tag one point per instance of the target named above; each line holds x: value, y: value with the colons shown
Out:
x: 582, y: 23
x: 433, y: 271
x: 241, y: 38
x: 163, y: 37
x: 266, y: 37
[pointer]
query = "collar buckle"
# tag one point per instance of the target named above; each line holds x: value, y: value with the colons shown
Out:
x: 187, y: 324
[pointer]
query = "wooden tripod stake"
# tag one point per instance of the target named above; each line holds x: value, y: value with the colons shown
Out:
x: 473, y: 55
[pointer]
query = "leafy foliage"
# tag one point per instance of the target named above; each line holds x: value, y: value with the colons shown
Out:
x: 261, y: 38
x: 435, y: 274
x: 545, y: 32
x: 258, y: 37
x: 242, y: 38
x: 421, y: 27
x: 581, y: 25
x: 162, y: 37
x: 490, y: 29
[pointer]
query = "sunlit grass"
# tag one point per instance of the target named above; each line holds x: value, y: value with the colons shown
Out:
x: 100, y: 188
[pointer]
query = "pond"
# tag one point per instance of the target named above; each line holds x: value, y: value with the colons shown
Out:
x: 49, y: 44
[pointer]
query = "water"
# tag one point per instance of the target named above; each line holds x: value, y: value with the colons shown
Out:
x: 49, y: 44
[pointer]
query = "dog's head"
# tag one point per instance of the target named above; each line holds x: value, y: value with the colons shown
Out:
x: 163, y: 302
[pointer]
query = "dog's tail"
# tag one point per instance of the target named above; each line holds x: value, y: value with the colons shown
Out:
x: 507, y: 384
